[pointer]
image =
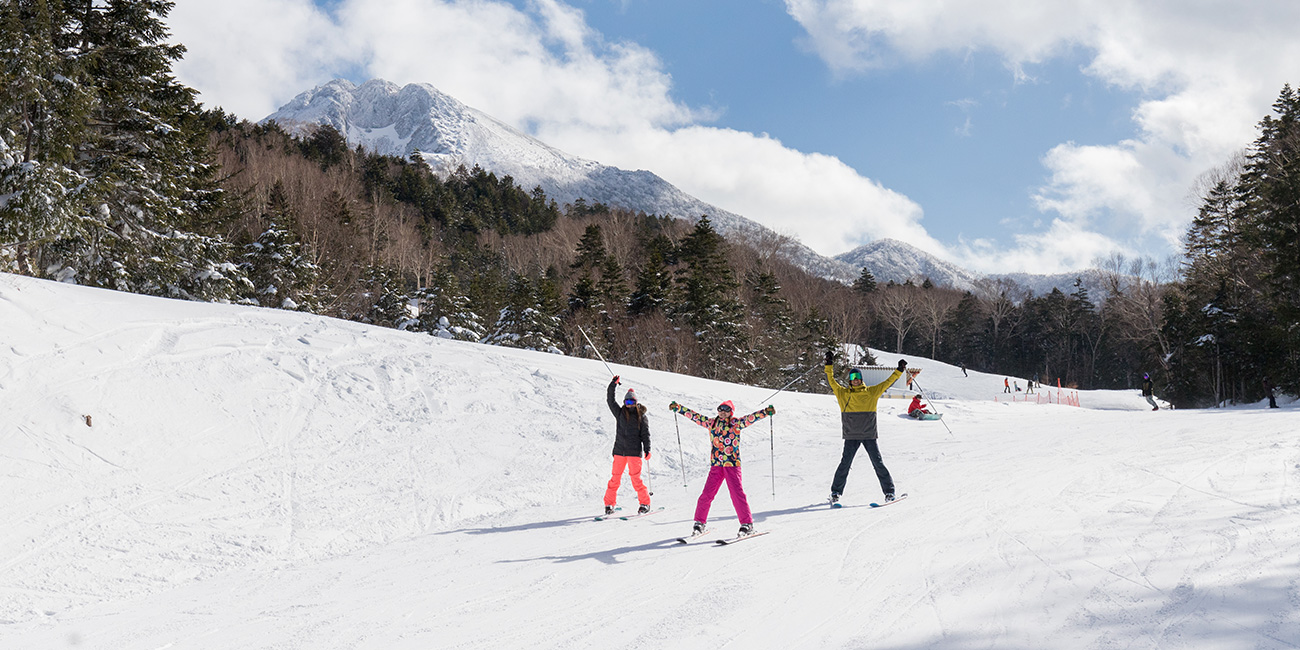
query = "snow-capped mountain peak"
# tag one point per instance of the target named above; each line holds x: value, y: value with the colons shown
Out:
x: 891, y: 259
x: 401, y: 120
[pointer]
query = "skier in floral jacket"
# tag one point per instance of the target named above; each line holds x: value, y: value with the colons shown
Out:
x: 724, y: 462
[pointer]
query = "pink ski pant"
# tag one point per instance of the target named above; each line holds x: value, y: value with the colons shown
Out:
x: 633, y: 466
x: 716, y: 476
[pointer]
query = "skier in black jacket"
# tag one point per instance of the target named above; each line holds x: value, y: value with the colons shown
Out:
x: 1149, y: 392
x: 631, y: 437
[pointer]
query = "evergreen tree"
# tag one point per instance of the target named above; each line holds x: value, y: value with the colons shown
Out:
x: 389, y: 303
x: 445, y: 312
x: 583, y: 296
x: 866, y: 282
x: 813, y: 342
x: 966, y: 337
x: 773, y: 339
x: 706, y: 301
x: 279, y: 273
x: 525, y: 322
x: 1271, y: 184
x: 612, y: 288
x: 591, y: 249
x: 654, y: 282
x: 148, y: 177
x: 44, y: 107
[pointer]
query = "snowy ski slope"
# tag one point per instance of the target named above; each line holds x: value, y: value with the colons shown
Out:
x: 254, y: 478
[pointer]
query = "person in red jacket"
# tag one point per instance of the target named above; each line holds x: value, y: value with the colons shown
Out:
x: 916, y: 409
x: 724, y: 461
x: 631, y: 437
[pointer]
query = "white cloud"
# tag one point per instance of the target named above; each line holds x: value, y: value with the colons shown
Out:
x: 547, y: 72
x: 251, y: 56
x: 1210, y: 71
x: 825, y: 202
x: 1062, y: 246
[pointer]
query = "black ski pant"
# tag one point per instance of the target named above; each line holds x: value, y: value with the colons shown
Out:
x: 846, y: 462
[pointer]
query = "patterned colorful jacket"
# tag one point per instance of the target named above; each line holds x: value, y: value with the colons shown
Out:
x: 725, y: 433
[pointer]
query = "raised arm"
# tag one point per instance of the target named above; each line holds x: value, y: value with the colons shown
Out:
x: 695, y: 417
x: 609, y: 396
x: 755, y: 417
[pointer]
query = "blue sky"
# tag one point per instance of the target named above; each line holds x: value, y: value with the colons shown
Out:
x: 1003, y: 135
x: 957, y: 133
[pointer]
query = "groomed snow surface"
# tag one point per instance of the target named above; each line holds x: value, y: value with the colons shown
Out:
x: 253, y: 478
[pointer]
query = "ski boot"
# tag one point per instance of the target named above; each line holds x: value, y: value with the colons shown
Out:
x: 609, y: 510
x: 645, y: 507
x: 889, y: 497
x: 835, y: 498
x: 746, y: 529
x: 698, y: 529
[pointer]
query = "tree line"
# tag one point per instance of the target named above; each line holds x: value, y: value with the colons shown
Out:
x: 112, y: 175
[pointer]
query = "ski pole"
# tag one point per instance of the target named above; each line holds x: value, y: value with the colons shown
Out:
x: 771, y: 438
x: 597, y: 351
x: 792, y: 381
x: 681, y: 460
x: 922, y: 392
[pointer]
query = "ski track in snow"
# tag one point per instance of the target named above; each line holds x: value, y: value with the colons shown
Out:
x: 264, y: 479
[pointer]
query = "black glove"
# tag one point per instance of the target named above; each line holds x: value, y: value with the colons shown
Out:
x: 615, y: 380
x: 902, y: 365
x: 830, y: 358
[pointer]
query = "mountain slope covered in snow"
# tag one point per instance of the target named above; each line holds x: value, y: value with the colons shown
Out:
x: 890, y: 259
x: 400, y: 120
x: 198, y: 476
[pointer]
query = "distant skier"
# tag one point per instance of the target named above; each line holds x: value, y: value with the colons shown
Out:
x: 1268, y: 388
x: 1006, y: 383
x: 858, y: 423
x: 1029, y: 386
x: 916, y: 409
x: 1148, y: 391
x: 724, y: 461
x: 631, y: 437
x: 963, y: 369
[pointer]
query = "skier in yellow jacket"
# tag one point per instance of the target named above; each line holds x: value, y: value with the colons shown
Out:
x: 858, y: 421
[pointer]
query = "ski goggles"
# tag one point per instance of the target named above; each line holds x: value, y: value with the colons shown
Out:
x: 629, y: 402
x: 724, y: 408
x: 855, y: 376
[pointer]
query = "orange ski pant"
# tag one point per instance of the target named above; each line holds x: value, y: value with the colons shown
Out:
x: 633, y: 466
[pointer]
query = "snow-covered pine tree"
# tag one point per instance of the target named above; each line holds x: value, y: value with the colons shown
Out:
x: 279, y: 273
x: 525, y: 321
x: 445, y: 311
x: 388, y: 302
x: 147, y: 158
x: 44, y: 107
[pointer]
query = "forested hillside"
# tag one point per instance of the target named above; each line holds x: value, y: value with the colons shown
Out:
x: 112, y: 175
